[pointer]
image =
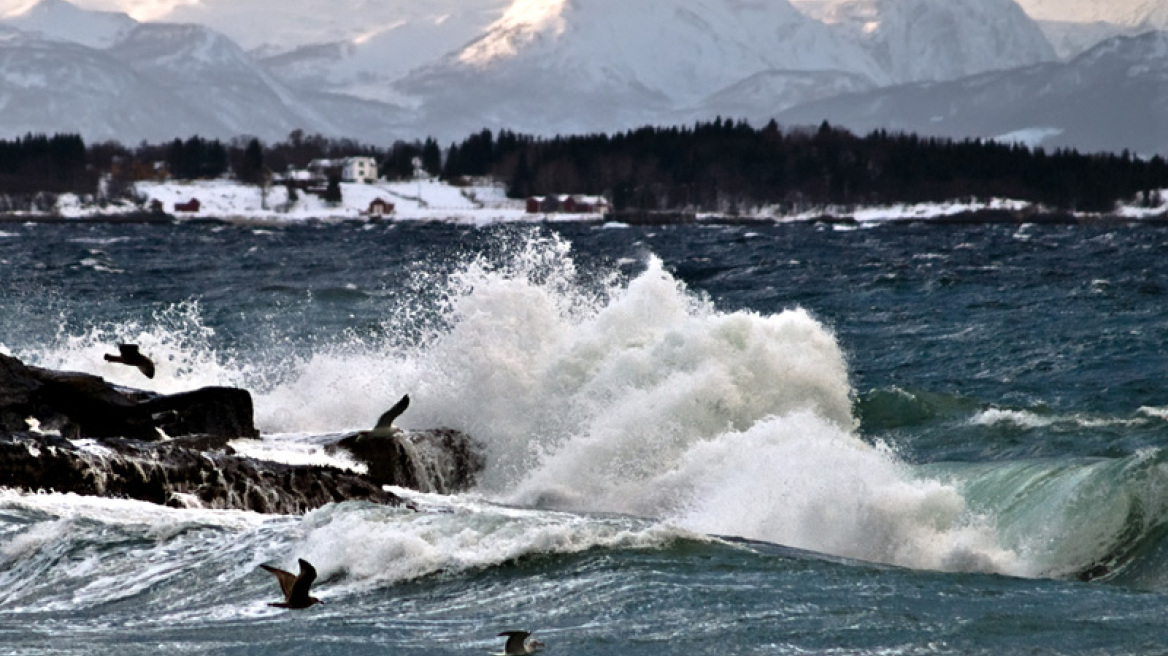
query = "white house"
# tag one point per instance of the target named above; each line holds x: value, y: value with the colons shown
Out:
x: 359, y: 169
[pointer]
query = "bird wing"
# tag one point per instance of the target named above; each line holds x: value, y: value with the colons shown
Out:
x: 515, y: 641
x: 146, y: 367
x: 386, y: 420
x: 287, y: 580
x: 128, y: 350
x: 302, y: 583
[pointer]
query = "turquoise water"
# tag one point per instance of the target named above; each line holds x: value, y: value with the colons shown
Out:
x: 954, y: 432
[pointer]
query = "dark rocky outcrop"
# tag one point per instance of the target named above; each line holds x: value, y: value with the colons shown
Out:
x: 94, y: 438
x: 83, y: 405
x: 180, y: 473
x: 439, y: 460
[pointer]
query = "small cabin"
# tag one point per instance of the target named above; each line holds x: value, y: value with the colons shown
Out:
x: 380, y: 207
x: 191, y: 205
x: 585, y: 205
x: 543, y: 204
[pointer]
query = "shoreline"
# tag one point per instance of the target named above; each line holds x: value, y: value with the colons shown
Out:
x: 972, y: 217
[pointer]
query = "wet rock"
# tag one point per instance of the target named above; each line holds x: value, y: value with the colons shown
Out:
x: 179, y: 473
x: 83, y: 405
x: 95, y: 438
x: 441, y: 460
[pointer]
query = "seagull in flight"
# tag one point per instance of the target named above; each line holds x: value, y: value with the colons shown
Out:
x: 295, y: 588
x: 129, y: 354
x: 517, y: 643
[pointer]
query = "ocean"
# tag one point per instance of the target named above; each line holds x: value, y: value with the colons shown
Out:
x: 812, y: 438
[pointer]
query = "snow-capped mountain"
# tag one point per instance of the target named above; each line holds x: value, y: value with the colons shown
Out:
x: 1113, y: 97
x: 157, y: 81
x: 760, y: 97
x: 57, y: 19
x: 214, y: 77
x: 53, y: 86
x: 1074, y: 26
x: 348, y: 67
x: 1131, y: 13
x: 927, y: 40
x: 1071, y: 39
x: 367, y: 64
x: 581, y: 65
x: 270, y: 29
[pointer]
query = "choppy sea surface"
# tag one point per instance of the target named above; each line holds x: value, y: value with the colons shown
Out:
x: 766, y: 439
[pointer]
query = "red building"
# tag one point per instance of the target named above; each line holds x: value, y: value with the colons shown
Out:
x: 380, y: 207
x: 191, y: 205
x: 567, y: 204
x: 584, y: 205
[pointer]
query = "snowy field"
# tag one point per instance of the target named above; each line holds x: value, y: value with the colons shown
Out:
x: 433, y: 200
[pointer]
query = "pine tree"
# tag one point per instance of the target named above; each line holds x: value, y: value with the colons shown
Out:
x: 332, y: 193
x: 431, y: 156
x: 251, y: 167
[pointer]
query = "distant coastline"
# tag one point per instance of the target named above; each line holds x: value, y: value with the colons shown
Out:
x: 228, y: 201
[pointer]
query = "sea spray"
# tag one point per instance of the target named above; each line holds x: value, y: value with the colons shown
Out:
x: 376, y: 546
x: 804, y: 482
x: 647, y: 400
x: 176, y: 339
x: 596, y: 393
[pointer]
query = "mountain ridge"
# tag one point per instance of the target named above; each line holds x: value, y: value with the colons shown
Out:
x: 1110, y: 98
x: 539, y: 66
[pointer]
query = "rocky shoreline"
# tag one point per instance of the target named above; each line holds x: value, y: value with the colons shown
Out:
x: 77, y: 433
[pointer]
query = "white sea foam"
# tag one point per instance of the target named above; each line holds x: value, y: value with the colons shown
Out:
x: 289, y: 450
x: 375, y: 545
x: 1027, y: 419
x: 635, y: 397
x: 808, y: 483
x: 34, y: 538
x: 123, y: 511
x: 1020, y: 418
x: 99, y: 241
x: 1155, y: 412
x: 176, y: 340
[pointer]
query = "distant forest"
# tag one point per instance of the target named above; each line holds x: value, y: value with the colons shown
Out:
x: 720, y: 166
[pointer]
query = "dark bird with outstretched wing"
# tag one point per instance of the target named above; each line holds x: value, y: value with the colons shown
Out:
x: 295, y: 588
x: 130, y: 355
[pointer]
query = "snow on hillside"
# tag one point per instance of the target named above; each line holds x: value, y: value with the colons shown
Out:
x: 433, y: 200
x: 413, y: 200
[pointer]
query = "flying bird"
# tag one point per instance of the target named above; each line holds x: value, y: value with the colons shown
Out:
x: 385, y: 422
x: 517, y: 643
x: 129, y: 354
x: 295, y: 588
